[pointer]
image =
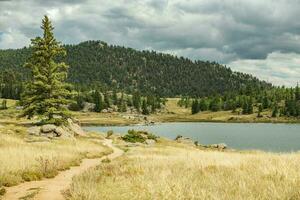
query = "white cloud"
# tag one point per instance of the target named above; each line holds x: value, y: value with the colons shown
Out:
x: 13, y: 39
x: 278, y: 68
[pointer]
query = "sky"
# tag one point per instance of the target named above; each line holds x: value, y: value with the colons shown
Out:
x: 261, y: 37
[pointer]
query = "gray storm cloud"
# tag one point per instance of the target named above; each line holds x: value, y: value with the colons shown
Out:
x: 232, y: 32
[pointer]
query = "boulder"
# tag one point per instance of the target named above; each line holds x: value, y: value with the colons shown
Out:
x: 19, y: 107
x: 48, y: 128
x: 88, y: 106
x: 49, y: 135
x: 114, y: 108
x: 219, y: 146
x: 75, y: 128
x: 34, y: 130
x: 150, y: 142
x: 110, y: 110
x: 184, y: 140
x: 62, y: 132
x: 104, y: 111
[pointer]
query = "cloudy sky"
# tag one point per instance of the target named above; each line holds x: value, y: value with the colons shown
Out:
x: 261, y: 37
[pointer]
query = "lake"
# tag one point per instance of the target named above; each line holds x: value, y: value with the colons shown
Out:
x: 261, y: 136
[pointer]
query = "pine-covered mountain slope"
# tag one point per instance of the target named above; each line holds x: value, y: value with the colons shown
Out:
x: 97, y: 63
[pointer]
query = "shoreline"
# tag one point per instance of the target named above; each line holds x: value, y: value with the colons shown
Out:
x: 85, y: 123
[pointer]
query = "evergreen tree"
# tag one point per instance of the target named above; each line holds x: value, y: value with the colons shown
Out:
x: 260, y: 109
x: 203, y: 105
x: 77, y: 105
x: 106, y: 100
x: 265, y: 102
x: 245, y: 108
x: 195, y: 107
x: 115, y: 97
x: 187, y: 102
x: 215, y: 104
x: 136, y: 100
x: 250, y: 106
x: 234, y: 106
x: 275, y: 111
x: 98, y: 101
x: 145, y: 110
x: 129, y: 101
x: 122, y: 107
x: 297, y: 93
x: 46, y: 93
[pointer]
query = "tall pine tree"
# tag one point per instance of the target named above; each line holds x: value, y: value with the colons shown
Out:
x: 98, y: 101
x: 46, y: 94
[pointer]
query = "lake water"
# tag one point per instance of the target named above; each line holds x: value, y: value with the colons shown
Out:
x: 267, y: 137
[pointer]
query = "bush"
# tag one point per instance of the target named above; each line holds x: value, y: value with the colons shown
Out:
x: 2, y: 190
x: 3, y: 105
x: 74, y: 107
x: 178, y: 137
x: 109, y: 133
x: 138, y: 136
x: 152, y: 136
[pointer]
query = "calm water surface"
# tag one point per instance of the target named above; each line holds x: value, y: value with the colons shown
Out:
x: 267, y: 137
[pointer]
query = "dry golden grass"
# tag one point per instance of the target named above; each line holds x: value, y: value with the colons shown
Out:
x: 10, y: 115
x: 177, y: 172
x: 93, y: 118
x: 22, y: 160
x: 175, y: 113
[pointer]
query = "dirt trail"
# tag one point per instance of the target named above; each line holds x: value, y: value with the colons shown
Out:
x: 51, y: 189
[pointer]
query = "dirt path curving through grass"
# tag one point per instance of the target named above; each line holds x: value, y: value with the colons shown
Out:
x: 51, y: 189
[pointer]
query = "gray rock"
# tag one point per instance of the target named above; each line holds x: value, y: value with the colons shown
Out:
x: 19, y: 107
x: 88, y: 106
x: 62, y: 132
x: 34, y: 130
x: 49, y: 135
x: 51, y: 131
x: 219, y: 146
x: 75, y: 129
x: 150, y: 142
x: 222, y: 146
x: 184, y: 140
x: 114, y: 108
x: 48, y: 128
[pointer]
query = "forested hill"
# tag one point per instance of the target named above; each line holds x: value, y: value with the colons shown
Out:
x: 95, y: 62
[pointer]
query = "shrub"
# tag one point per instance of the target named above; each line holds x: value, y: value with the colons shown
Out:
x: 2, y: 190
x: 109, y: 133
x: 138, y: 136
x: 32, y: 175
x: 3, y: 105
x: 152, y: 136
x: 106, y: 160
x: 133, y: 137
x: 178, y: 137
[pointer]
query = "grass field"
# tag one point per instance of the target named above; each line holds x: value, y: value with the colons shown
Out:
x: 174, y: 113
x: 25, y: 158
x: 170, y: 171
x: 93, y: 118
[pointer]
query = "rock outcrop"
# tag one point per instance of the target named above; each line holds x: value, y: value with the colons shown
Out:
x: 219, y: 146
x: 184, y: 140
x: 50, y: 130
